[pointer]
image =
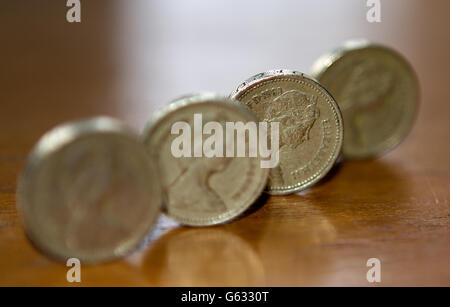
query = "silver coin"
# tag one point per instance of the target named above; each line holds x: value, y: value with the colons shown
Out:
x: 89, y: 191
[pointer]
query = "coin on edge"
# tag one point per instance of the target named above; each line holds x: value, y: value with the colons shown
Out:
x: 377, y: 92
x: 89, y: 191
x: 311, y: 128
x: 201, y: 190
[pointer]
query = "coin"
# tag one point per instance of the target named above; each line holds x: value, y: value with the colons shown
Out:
x: 201, y: 190
x: 377, y: 92
x: 89, y: 191
x: 310, y: 126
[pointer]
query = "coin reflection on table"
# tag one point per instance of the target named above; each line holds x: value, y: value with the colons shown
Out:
x: 89, y: 191
x: 377, y: 92
x: 203, y: 257
x: 310, y: 126
x: 299, y: 244
x: 203, y: 190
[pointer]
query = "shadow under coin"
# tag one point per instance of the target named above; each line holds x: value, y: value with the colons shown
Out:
x: 303, y: 239
x: 296, y: 240
x: 287, y: 234
x: 367, y: 190
x: 331, y: 174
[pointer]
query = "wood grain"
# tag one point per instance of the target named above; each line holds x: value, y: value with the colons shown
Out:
x: 126, y: 59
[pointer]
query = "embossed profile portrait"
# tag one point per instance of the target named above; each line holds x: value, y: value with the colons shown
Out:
x: 189, y: 186
x: 365, y: 91
x: 191, y: 189
x: 95, y: 196
x: 296, y: 112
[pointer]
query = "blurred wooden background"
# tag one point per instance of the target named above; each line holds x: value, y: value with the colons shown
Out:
x: 127, y: 58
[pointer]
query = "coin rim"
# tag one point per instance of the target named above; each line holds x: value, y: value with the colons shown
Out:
x: 40, y: 152
x: 191, y: 100
x: 261, y: 78
x: 325, y: 61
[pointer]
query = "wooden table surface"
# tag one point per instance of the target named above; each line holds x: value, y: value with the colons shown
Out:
x: 127, y: 58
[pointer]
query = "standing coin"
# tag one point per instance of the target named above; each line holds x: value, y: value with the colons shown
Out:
x: 89, y: 191
x: 377, y: 92
x: 310, y: 126
x: 200, y: 188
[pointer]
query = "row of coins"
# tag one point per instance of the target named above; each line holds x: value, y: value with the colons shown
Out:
x: 93, y: 189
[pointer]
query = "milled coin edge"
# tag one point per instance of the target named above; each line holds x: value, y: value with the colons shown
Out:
x: 258, y: 80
